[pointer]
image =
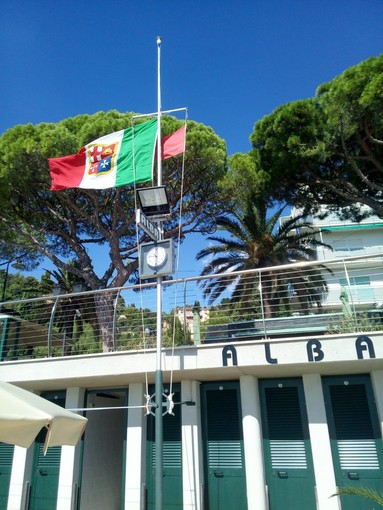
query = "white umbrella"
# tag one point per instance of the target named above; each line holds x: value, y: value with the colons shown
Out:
x: 23, y: 415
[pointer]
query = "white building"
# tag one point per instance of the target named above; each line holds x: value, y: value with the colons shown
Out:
x: 349, y: 239
x: 265, y: 419
x: 188, y: 314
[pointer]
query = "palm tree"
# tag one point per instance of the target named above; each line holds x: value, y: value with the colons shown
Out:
x: 363, y: 492
x: 255, y: 242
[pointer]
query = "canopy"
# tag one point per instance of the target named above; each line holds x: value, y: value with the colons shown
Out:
x: 23, y: 415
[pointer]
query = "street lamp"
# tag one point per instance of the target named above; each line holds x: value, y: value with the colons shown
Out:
x: 154, y: 201
x: 155, y: 204
x: 58, y: 290
x: 16, y: 265
x: 78, y: 287
x: 69, y: 310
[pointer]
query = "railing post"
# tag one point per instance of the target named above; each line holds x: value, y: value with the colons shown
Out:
x: 50, y: 327
x: 350, y: 293
x: 261, y: 298
x: 184, y: 314
x: 115, y: 319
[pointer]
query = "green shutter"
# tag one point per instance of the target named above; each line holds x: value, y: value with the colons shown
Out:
x: 6, y: 454
x: 287, y: 451
x: 6, y: 459
x: 224, y: 441
x: 355, y: 437
x: 225, y: 486
x: 53, y: 456
x: 172, y: 457
x: 354, y: 433
x: 172, y: 452
x: 172, y: 446
x: 46, y: 468
x: 286, y: 438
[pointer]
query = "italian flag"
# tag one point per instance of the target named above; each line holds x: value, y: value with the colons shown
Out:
x: 118, y: 159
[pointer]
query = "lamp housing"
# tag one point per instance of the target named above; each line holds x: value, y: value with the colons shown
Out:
x: 154, y: 201
x: 58, y: 290
x: 78, y: 287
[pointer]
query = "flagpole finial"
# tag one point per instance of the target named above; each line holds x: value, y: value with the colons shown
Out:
x: 159, y: 40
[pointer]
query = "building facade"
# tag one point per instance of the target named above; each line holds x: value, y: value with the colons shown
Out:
x: 267, y: 419
x: 349, y: 239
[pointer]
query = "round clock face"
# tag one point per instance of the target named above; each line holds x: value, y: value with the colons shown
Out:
x: 156, y: 256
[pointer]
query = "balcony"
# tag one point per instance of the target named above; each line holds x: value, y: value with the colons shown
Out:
x: 295, y: 300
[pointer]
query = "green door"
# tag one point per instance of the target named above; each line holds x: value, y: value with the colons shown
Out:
x: 356, y: 442
x: 172, y: 457
x: 225, y: 482
x: 46, y: 469
x: 6, y: 459
x: 288, y: 458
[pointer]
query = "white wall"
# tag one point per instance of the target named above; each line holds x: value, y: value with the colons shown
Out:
x: 320, y: 443
x: 70, y: 458
x: 101, y: 486
x: 135, y: 449
x: 253, y: 443
x: 192, y: 466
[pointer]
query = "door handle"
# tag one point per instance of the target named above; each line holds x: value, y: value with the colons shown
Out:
x: 283, y: 474
x: 43, y: 472
x: 218, y: 474
x: 353, y: 476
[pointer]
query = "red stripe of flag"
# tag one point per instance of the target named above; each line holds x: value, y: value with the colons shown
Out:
x: 174, y: 143
x: 67, y: 171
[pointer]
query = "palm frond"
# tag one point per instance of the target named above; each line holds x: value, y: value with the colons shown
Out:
x: 363, y: 492
x: 255, y: 242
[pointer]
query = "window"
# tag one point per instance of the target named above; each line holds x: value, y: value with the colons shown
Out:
x: 348, y: 247
x: 360, y: 288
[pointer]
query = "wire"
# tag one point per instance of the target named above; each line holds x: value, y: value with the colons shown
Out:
x: 178, y: 254
x: 139, y: 262
x: 177, y: 265
x: 104, y: 408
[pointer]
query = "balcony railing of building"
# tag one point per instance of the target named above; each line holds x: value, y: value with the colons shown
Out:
x: 325, y: 297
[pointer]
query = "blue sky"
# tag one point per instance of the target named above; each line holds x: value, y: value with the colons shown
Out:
x: 229, y: 62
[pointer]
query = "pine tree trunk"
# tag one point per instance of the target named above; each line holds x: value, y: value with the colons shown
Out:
x: 105, y: 305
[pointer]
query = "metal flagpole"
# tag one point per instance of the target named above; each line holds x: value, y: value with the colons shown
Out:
x: 159, y: 379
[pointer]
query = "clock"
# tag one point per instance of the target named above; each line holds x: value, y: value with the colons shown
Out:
x: 156, y: 256
x: 156, y: 259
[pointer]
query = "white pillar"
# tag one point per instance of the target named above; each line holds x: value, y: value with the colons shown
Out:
x: 70, y: 458
x: 320, y: 443
x: 377, y: 384
x: 252, y: 439
x: 17, y: 478
x: 192, y: 466
x: 135, y: 449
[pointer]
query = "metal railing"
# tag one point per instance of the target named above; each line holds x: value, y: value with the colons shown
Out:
x: 323, y: 297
